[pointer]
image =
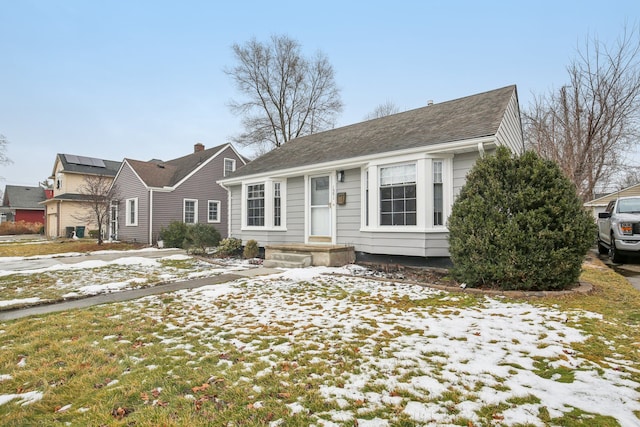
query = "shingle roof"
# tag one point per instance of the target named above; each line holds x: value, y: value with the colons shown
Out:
x: 21, y: 197
x: 474, y: 116
x: 110, y: 166
x: 169, y: 173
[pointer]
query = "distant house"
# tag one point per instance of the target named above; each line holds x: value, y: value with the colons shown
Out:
x: 599, y: 204
x: 21, y: 203
x: 68, y: 205
x: 153, y: 193
x: 383, y: 186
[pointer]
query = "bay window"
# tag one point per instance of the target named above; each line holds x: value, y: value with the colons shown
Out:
x: 263, y: 205
x: 398, y: 195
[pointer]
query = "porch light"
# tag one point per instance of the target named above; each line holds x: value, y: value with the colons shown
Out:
x: 340, y: 176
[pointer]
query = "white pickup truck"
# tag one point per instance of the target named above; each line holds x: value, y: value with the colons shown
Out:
x: 619, y: 228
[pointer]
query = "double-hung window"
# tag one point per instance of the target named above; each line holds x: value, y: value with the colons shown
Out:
x: 229, y: 166
x: 255, y: 205
x: 213, y: 211
x: 190, y: 211
x: 277, y: 205
x: 398, y: 195
x: 438, y: 196
x: 131, y: 212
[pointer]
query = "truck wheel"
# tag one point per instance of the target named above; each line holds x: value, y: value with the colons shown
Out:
x: 615, y: 256
x: 602, y: 250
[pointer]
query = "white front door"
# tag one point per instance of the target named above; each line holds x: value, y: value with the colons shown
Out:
x: 320, y: 209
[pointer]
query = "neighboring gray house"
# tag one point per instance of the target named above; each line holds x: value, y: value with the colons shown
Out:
x: 383, y: 186
x: 154, y: 193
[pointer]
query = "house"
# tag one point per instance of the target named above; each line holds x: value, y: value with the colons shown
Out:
x: 383, y: 186
x: 21, y: 203
x: 69, y: 207
x: 153, y: 193
x: 600, y: 203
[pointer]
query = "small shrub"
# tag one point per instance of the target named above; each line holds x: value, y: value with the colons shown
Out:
x: 230, y: 247
x: 93, y: 234
x: 200, y: 237
x: 518, y: 224
x: 175, y: 235
x: 251, y: 249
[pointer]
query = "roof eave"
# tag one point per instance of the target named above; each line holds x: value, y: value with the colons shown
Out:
x: 444, y: 148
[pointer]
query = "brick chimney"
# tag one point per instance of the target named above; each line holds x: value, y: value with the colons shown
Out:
x: 198, y: 147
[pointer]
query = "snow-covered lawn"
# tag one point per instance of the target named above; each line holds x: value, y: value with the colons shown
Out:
x: 319, y: 346
x: 411, y: 353
x: 65, y: 280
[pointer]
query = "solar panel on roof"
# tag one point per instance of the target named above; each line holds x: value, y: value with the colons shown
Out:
x: 84, y: 161
x: 71, y: 158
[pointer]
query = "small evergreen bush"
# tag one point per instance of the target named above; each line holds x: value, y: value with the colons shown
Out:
x: 175, y: 235
x: 200, y: 237
x: 518, y: 224
x: 229, y: 247
x: 251, y: 249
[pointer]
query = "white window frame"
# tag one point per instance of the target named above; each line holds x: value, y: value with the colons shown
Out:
x: 224, y: 166
x: 268, y: 206
x: 370, y: 174
x: 195, y: 210
x: 128, y: 207
x: 213, y: 202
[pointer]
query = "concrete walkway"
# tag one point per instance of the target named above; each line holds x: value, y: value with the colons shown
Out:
x: 132, y: 294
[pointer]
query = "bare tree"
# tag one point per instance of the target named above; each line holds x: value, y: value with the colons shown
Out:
x: 385, y: 109
x: 286, y: 94
x: 588, y: 125
x: 98, y: 193
x: 4, y: 160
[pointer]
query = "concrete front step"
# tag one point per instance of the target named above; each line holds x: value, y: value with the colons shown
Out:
x: 274, y: 263
x: 287, y: 260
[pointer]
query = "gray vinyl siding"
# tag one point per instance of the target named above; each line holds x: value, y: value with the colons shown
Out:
x: 129, y: 187
x: 510, y: 130
x: 349, y: 216
x: 462, y: 164
x: 201, y: 186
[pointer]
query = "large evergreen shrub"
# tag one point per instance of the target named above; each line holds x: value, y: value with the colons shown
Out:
x: 518, y: 224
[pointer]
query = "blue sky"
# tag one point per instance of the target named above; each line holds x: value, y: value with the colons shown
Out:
x: 144, y: 79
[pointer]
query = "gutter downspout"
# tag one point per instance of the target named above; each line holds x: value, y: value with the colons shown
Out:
x: 151, y: 216
x: 228, y: 208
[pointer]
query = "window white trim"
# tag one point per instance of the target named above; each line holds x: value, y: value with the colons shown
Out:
x: 268, y: 206
x: 218, y: 204
x: 131, y: 212
x: 224, y: 166
x: 424, y: 193
x: 195, y: 211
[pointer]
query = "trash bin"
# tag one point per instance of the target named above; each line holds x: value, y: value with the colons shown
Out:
x: 79, y: 231
x: 69, y: 232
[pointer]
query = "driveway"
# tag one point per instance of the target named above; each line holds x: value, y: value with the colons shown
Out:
x: 630, y: 269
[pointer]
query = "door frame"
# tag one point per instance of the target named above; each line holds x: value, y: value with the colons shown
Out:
x: 308, y: 238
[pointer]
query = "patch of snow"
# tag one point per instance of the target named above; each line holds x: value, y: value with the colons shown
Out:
x: 24, y: 398
x: 5, y: 377
x: 21, y: 301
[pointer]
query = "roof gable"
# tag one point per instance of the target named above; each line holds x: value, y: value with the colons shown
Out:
x: 465, y: 118
x: 19, y: 196
x: 171, y: 173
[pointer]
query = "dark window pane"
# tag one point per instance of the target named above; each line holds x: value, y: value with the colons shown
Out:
x: 411, y: 219
x: 385, y: 219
